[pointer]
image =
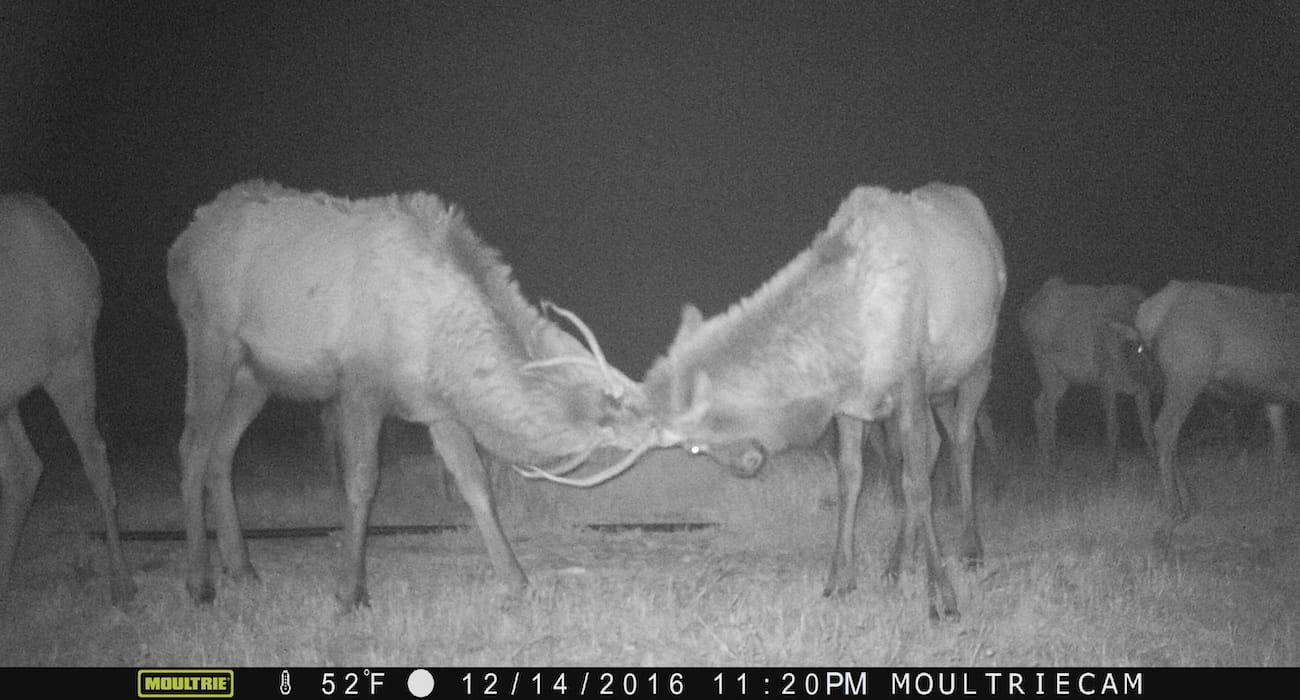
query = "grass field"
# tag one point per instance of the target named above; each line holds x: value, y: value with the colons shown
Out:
x: 1072, y: 575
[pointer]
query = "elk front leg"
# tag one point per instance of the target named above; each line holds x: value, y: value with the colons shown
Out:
x: 456, y: 447
x: 359, y: 419
x: 843, y: 575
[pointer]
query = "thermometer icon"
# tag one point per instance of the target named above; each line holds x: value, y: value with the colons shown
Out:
x: 284, y: 682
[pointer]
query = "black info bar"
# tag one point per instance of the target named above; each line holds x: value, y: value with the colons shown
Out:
x: 649, y: 682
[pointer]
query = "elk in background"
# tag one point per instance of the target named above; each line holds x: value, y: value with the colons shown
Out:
x: 1071, y: 335
x: 1233, y: 343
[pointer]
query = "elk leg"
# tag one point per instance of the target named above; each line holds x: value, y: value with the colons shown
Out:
x: 1045, y: 405
x: 456, y: 448
x: 1173, y: 412
x: 919, y: 437
x: 359, y: 420
x: 245, y: 398
x: 848, y: 479
x: 1277, y: 432
x: 1110, y: 409
x: 329, y: 428
x: 960, y: 423
x: 891, y: 457
x: 72, y: 389
x: 875, y: 440
x: 208, y: 377
x: 1142, y: 398
x: 20, y: 471
x: 984, y: 431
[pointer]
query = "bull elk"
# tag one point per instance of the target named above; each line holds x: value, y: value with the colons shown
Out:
x: 890, y: 315
x: 51, y: 301
x: 382, y: 306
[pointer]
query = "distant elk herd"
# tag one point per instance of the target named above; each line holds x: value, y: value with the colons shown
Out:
x: 393, y: 307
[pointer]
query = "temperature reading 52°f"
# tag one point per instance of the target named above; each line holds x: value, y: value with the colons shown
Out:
x: 349, y: 683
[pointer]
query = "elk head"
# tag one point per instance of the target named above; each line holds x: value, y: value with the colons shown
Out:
x: 1137, y: 355
x: 621, y: 420
x: 732, y: 411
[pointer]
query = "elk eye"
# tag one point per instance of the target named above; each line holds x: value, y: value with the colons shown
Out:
x: 696, y: 450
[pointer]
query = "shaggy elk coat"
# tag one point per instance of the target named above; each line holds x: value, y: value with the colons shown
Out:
x: 890, y: 315
x: 384, y: 306
x: 49, y: 306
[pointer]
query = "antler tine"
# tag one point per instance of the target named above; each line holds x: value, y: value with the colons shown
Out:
x: 573, y: 463
x: 615, y: 389
x: 557, y: 361
x: 595, y: 479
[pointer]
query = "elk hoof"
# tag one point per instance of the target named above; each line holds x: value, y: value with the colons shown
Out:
x: 839, y: 590
x: 357, y: 598
x: 972, y: 552
x: 243, y: 574
x: 122, y: 591
x: 949, y: 615
x: 202, y: 593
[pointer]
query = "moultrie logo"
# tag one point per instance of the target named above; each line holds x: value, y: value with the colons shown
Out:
x: 185, y: 683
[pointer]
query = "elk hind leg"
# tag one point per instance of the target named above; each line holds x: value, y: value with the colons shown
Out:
x: 959, y: 420
x: 242, y: 404
x: 72, y: 389
x: 920, y: 438
x: 20, y: 471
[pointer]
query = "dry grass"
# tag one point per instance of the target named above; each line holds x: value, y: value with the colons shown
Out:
x: 1072, y: 576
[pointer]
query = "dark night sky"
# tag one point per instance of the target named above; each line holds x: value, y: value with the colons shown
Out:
x: 627, y: 158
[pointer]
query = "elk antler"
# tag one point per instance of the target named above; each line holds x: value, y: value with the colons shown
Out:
x: 621, y: 466
x: 573, y: 463
x: 616, y: 390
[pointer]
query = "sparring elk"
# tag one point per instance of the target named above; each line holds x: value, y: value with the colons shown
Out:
x: 382, y: 306
x: 1229, y: 342
x: 891, y: 316
x: 1069, y: 330
x: 49, y: 307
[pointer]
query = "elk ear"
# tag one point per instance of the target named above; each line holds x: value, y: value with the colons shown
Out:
x: 691, y: 320
x: 697, y: 403
x: 700, y: 390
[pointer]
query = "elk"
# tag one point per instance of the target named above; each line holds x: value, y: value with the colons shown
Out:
x: 889, y: 316
x: 1070, y: 332
x: 1234, y: 343
x: 50, y: 287
x: 382, y: 306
